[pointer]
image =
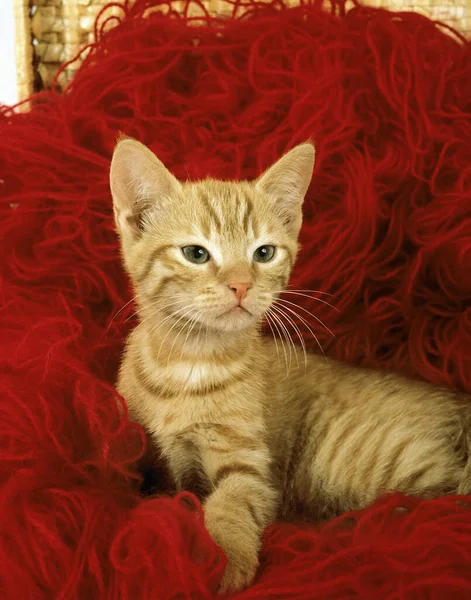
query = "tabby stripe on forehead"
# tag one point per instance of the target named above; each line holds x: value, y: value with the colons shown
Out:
x: 205, y: 224
x: 211, y: 212
x: 247, y: 214
x: 237, y: 469
x: 152, y: 259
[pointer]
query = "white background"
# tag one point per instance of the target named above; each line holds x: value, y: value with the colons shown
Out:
x: 8, y: 89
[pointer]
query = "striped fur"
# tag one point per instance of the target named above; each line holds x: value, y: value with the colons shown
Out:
x: 255, y: 439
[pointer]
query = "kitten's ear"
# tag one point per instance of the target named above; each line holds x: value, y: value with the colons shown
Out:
x: 139, y: 184
x: 288, y: 179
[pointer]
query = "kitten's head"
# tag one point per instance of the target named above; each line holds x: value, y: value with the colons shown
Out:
x: 216, y: 252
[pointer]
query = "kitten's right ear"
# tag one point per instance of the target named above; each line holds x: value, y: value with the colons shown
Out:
x: 139, y: 183
x: 287, y: 182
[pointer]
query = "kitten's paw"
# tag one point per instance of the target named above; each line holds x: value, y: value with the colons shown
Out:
x: 237, y: 577
x: 241, y: 543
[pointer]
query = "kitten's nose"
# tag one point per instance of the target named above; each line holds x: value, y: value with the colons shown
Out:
x: 240, y: 289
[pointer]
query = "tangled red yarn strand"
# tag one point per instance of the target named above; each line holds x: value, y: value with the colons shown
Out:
x: 387, y: 231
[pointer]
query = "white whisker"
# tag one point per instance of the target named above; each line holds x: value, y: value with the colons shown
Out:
x: 311, y: 291
x: 113, y: 318
x: 297, y: 330
x: 309, y: 313
x: 267, y: 316
x: 297, y: 293
x: 121, y: 309
x: 286, y: 336
x: 155, y: 312
x: 134, y: 299
x: 199, y: 333
x: 292, y: 344
x: 190, y: 309
x: 191, y: 326
x: 307, y: 325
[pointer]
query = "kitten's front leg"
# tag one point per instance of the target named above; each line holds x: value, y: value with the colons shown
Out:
x: 242, y: 504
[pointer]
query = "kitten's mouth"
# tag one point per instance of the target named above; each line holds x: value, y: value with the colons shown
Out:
x: 239, y: 310
x: 236, y: 310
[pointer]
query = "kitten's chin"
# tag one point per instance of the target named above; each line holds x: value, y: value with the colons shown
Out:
x: 236, y: 319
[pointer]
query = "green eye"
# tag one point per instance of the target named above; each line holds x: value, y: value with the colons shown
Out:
x: 264, y: 253
x: 196, y: 254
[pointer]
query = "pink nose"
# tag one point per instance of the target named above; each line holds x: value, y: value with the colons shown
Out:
x: 240, y: 289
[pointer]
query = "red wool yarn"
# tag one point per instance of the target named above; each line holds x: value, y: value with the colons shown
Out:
x: 387, y: 232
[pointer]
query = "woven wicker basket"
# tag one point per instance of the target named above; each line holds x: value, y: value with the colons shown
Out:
x: 51, y: 32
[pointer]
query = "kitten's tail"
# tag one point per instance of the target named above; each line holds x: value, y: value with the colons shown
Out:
x: 464, y: 486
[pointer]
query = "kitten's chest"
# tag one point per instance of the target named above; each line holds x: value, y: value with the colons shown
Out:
x: 200, y: 393
x: 193, y: 376
x: 185, y: 411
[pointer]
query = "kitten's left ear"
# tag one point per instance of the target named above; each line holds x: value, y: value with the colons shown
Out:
x: 288, y: 179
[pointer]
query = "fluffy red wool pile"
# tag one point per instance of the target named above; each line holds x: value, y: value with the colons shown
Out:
x: 387, y: 233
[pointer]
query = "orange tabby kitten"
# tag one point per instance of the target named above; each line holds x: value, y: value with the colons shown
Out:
x: 207, y: 261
